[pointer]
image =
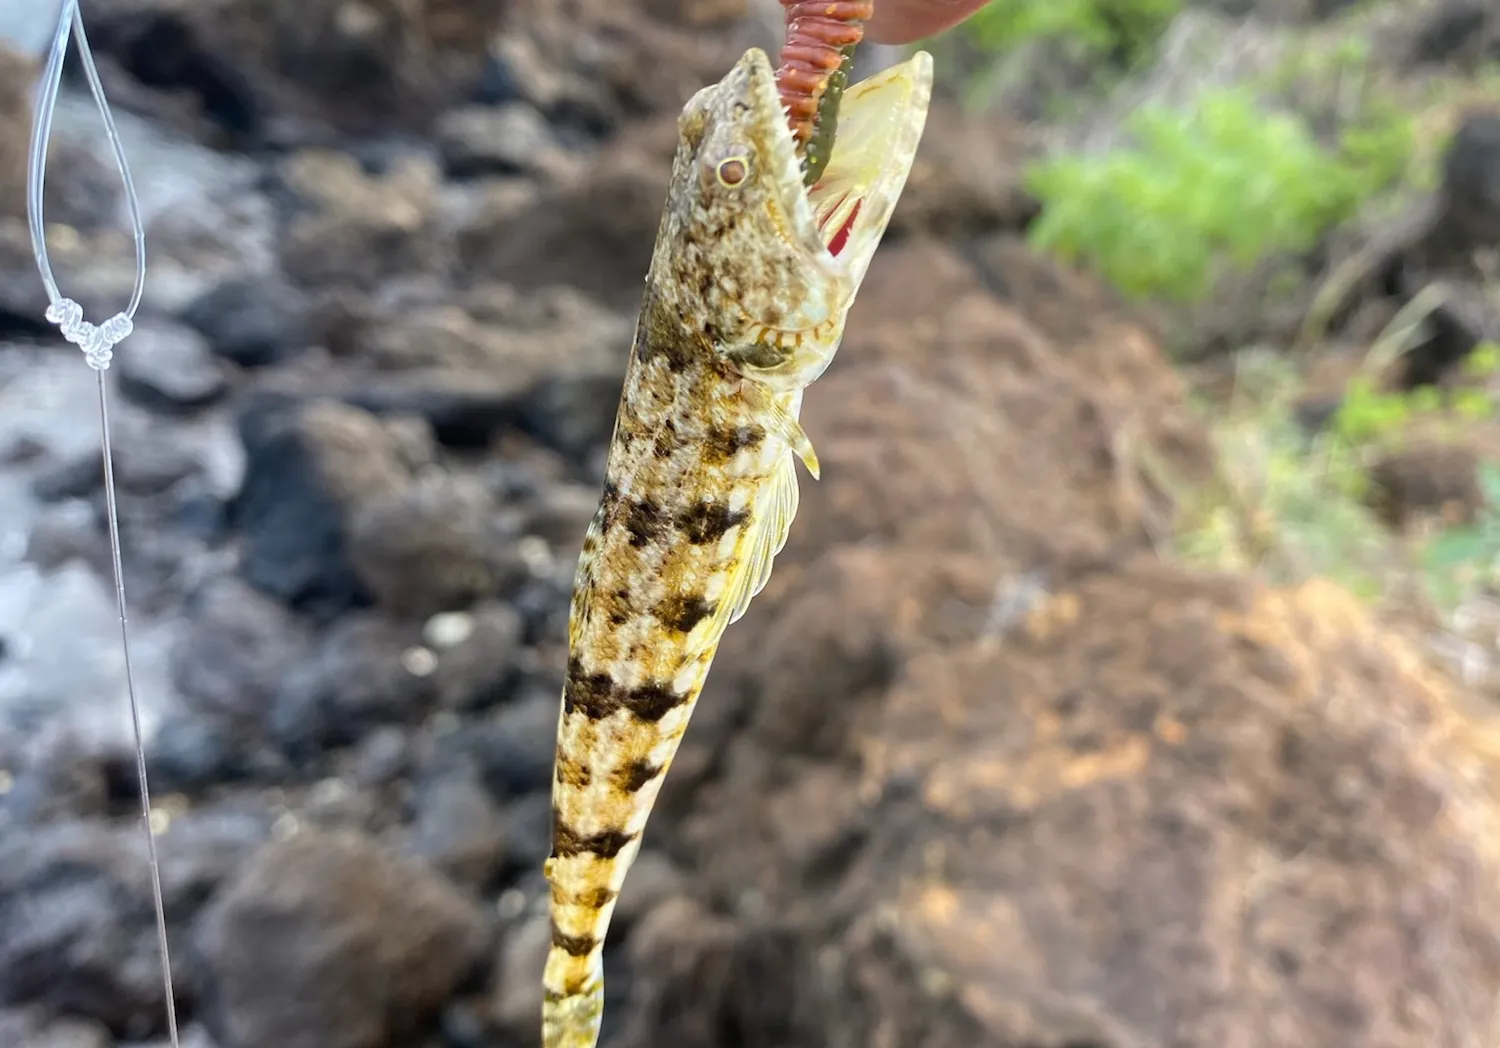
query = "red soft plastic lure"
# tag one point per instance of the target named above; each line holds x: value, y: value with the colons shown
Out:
x: 821, y: 36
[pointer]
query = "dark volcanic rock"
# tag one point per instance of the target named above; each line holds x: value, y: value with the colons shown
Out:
x: 107, y: 970
x: 357, y: 230
x: 325, y: 941
x: 478, y: 655
x: 504, y: 140
x: 237, y: 647
x: 464, y: 409
x: 528, y: 825
x: 229, y: 665
x: 459, y: 829
x: 516, y: 1004
x: 252, y: 321
x: 33, y: 1028
x: 597, y: 64
x: 149, y: 463
x: 562, y: 513
x: 194, y: 749
x: 57, y: 777
x: 370, y: 671
x: 1471, y: 184
x: 381, y: 757
x: 64, y: 532
x: 574, y: 414
x: 259, y: 67
x: 23, y: 300
x: 360, y: 678
x: 593, y: 230
x: 169, y: 368
x: 431, y: 546
x: 506, y: 359
x: 80, y: 932
x: 699, y: 962
x: 307, y: 466
x: 1446, y: 240
x: 1453, y: 32
x: 514, y: 746
x: 192, y: 1036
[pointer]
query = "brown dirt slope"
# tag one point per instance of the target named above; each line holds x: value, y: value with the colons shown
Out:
x: 978, y: 770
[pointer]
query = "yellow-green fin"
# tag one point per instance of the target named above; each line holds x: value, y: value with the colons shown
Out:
x: 769, y: 527
x: 784, y: 424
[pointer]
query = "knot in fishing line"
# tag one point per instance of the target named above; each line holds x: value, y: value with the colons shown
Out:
x: 96, y: 340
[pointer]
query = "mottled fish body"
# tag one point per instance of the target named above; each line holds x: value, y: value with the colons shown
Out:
x: 750, y: 283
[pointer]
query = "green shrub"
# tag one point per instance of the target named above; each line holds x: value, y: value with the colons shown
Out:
x: 1457, y: 561
x: 1282, y: 505
x: 1369, y: 417
x: 1290, y: 506
x: 1224, y: 182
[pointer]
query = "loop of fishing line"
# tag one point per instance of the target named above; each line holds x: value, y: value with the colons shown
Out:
x: 96, y: 340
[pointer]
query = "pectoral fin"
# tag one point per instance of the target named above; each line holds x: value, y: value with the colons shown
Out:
x: 783, y: 424
x: 769, y: 527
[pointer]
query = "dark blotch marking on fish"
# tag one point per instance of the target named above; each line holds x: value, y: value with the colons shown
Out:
x: 682, y: 613
x: 662, y: 338
x: 722, y: 445
x: 593, y: 898
x: 615, y: 606
x: 577, y: 945
x: 568, y: 842
x: 652, y: 701
x: 644, y: 520
x: 597, y: 696
x: 707, y: 522
x: 592, y: 694
x: 634, y: 777
x: 574, y: 987
x: 573, y: 773
x: 598, y: 898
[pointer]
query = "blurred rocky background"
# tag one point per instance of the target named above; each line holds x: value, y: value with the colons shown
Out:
x: 1127, y: 682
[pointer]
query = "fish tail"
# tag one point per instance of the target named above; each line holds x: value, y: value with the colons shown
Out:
x: 600, y: 804
x: 583, y: 901
x: 573, y: 1005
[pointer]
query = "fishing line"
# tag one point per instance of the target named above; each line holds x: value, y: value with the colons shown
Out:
x: 97, y: 343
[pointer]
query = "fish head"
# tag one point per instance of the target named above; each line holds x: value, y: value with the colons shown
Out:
x: 760, y: 265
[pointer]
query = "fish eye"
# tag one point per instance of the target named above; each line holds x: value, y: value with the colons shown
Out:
x: 734, y: 171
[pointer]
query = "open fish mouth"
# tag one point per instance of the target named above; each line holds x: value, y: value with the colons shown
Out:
x: 881, y: 119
